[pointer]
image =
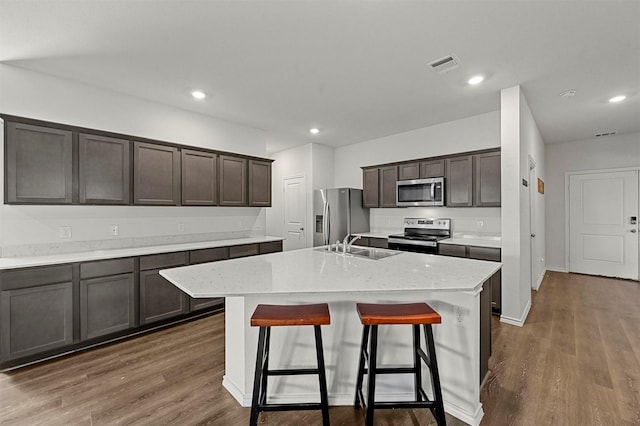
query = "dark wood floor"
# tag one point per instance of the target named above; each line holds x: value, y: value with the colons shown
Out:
x: 575, y: 362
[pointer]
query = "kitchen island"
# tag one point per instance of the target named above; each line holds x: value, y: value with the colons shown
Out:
x: 452, y: 286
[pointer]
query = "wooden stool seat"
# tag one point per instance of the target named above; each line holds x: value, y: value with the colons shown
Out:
x: 416, y: 315
x: 267, y: 316
x: 403, y: 313
x: 290, y: 315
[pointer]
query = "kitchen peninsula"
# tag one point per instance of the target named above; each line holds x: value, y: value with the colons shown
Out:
x: 452, y: 286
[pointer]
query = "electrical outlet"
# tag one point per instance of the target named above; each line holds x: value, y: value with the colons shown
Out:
x: 480, y: 224
x: 459, y: 312
x: 181, y: 227
x: 65, y: 232
x: 113, y: 230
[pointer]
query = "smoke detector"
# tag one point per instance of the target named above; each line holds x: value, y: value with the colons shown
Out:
x: 610, y: 133
x: 446, y: 64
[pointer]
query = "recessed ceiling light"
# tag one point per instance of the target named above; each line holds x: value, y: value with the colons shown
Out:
x: 618, y: 98
x: 314, y: 131
x: 198, y: 94
x: 476, y: 79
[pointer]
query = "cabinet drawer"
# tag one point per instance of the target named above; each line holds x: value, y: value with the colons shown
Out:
x: 271, y: 247
x: 208, y: 255
x: 105, y: 268
x: 244, y: 250
x: 166, y: 260
x: 452, y: 250
x: 31, y: 277
x: 484, y: 253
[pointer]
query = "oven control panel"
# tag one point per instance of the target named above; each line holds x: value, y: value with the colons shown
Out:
x: 427, y: 223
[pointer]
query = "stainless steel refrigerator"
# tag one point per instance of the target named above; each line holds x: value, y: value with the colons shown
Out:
x: 338, y: 212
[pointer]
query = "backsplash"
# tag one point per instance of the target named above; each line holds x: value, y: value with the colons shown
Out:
x: 477, y: 221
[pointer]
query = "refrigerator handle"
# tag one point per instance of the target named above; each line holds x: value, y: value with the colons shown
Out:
x: 433, y: 191
x: 325, y: 209
x: 328, y: 221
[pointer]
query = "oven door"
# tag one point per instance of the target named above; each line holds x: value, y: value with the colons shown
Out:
x: 420, y: 192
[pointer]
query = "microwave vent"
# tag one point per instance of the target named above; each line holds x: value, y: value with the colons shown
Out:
x: 446, y: 64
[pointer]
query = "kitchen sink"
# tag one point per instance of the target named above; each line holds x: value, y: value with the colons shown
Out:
x: 365, y: 252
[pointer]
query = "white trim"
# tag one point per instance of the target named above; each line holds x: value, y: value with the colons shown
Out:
x: 567, y: 176
x: 517, y: 321
x: 563, y: 270
x: 235, y: 392
x: 536, y: 287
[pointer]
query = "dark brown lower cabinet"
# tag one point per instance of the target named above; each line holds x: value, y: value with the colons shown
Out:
x: 35, y: 319
x: 159, y: 299
x: 106, y: 305
x: 204, y: 256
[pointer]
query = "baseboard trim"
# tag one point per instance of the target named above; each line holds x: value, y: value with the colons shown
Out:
x: 563, y: 270
x: 536, y: 287
x: 519, y: 322
x: 470, y: 418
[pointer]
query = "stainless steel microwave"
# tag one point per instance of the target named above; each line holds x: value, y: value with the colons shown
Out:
x: 420, y: 192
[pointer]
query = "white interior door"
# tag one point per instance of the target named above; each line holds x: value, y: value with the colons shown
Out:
x: 295, y: 212
x: 533, y: 255
x: 603, y: 238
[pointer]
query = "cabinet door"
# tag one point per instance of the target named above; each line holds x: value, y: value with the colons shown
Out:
x: 431, y: 169
x: 452, y: 250
x: 370, y: 188
x: 106, y: 305
x: 409, y: 171
x: 203, y: 256
x: 271, y: 247
x: 459, y: 181
x: 244, y: 250
x: 484, y: 253
x: 103, y: 170
x: 156, y: 172
x: 159, y: 299
x: 233, y: 181
x: 35, y: 319
x: 487, y: 179
x: 259, y: 183
x: 496, y: 292
x: 388, y: 179
x: 199, y: 178
x: 39, y: 165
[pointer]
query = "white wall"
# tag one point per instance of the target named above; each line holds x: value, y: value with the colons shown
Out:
x: 520, y: 139
x: 314, y: 162
x: 467, y: 134
x: 592, y: 154
x: 35, y: 95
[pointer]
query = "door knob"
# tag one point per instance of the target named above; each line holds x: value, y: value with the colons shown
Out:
x: 302, y: 229
x: 633, y: 231
x: 533, y: 235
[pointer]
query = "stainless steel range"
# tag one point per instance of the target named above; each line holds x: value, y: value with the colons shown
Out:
x: 421, y: 235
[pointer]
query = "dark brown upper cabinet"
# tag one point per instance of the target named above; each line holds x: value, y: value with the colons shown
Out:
x: 431, y: 169
x: 487, y: 179
x: 409, y: 171
x: 103, y: 170
x: 199, y: 178
x: 259, y: 183
x: 388, y: 179
x: 39, y: 165
x: 156, y: 174
x: 233, y: 181
x: 370, y: 188
x: 459, y: 181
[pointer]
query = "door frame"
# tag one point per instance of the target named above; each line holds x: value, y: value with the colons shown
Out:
x: 567, y: 206
x: 533, y: 253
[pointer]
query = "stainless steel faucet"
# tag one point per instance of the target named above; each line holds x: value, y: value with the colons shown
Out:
x: 346, y: 245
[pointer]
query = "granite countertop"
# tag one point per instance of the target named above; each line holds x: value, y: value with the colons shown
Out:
x: 474, y: 240
x: 26, y: 262
x: 314, y: 270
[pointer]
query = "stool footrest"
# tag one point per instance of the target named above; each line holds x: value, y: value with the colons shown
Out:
x: 292, y: 372
x: 404, y: 404
x: 291, y: 407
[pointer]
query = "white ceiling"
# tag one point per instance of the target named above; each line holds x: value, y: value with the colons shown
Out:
x: 355, y: 69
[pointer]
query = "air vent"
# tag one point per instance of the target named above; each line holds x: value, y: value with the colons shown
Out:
x: 611, y: 133
x: 446, y: 64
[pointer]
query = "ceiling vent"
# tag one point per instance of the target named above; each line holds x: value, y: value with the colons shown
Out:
x: 611, y: 133
x: 446, y: 64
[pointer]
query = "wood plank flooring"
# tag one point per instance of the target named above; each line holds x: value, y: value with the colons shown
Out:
x: 575, y: 362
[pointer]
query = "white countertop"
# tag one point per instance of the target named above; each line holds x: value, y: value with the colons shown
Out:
x: 26, y: 262
x: 474, y: 240
x: 377, y: 234
x: 308, y: 271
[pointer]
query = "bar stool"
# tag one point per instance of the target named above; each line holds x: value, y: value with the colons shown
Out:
x: 415, y: 314
x: 267, y: 316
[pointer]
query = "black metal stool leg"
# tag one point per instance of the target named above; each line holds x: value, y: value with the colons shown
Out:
x: 265, y: 375
x: 417, y: 364
x: 371, y: 390
x: 322, y: 378
x: 361, y: 367
x: 257, y: 378
x: 435, y: 377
